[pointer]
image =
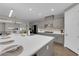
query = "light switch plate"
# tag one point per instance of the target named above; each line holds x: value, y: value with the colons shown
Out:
x: 47, y: 47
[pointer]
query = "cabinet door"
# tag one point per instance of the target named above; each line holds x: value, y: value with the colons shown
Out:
x: 47, y: 50
x: 72, y: 29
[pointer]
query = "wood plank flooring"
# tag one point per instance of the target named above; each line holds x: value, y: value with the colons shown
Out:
x: 60, y: 50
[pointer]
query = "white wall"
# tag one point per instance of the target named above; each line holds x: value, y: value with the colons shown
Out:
x: 72, y: 29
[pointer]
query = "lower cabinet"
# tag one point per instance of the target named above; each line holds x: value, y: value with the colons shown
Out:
x: 47, y: 50
x: 59, y: 39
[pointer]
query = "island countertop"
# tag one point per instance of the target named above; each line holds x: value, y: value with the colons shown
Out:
x: 31, y: 44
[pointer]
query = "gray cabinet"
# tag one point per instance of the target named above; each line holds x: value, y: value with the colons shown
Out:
x: 47, y: 50
x: 59, y: 39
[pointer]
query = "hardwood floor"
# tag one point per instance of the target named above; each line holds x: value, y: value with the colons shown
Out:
x: 60, y: 50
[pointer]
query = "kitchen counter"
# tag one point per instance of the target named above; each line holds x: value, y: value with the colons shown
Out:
x: 59, y: 37
x: 31, y: 44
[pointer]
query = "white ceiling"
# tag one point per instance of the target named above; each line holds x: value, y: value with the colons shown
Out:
x: 39, y: 10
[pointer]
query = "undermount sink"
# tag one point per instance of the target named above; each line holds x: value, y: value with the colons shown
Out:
x: 6, y: 42
x: 13, y: 50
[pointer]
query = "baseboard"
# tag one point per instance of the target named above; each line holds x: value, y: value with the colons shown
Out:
x: 72, y: 51
x: 59, y: 43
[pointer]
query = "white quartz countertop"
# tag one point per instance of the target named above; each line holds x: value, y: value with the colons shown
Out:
x: 31, y: 44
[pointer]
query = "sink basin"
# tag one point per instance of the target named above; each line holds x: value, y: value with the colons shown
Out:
x: 13, y: 50
x: 6, y: 42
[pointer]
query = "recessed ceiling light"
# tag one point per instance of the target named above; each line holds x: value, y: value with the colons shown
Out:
x: 10, y: 14
x: 30, y: 9
x: 52, y: 9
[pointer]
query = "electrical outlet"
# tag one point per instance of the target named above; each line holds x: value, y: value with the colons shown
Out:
x: 47, y: 47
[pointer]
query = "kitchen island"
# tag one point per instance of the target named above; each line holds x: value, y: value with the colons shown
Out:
x: 32, y: 45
